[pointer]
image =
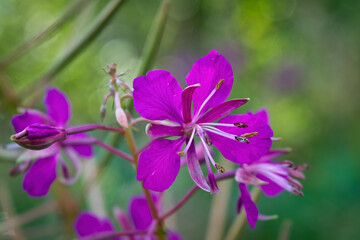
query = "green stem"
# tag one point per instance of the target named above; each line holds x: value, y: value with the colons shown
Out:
x: 129, y: 138
x: 238, y: 224
x: 84, y: 41
x: 41, y: 36
x: 153, y: 40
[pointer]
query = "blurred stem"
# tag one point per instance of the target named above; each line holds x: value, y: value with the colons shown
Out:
x: 41, y: 36
x: 153, y: 40
x: 240, y: 220
x: 29, y: 216
x: 190, y: 193
x: 129, y: 138
x: 84, y: 41
x: 219, y: 206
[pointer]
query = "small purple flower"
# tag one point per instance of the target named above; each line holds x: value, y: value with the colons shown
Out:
x: 42, y: 172
x: 191, y: 113
x: 139, y: 218
x: 272, y: 177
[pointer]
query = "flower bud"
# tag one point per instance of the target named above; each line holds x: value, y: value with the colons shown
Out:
x: 39, y: 136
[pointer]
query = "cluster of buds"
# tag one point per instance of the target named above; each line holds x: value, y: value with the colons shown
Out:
x: 115, y: 83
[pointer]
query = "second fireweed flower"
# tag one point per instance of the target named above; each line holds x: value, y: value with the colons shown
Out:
x: 191, y: 113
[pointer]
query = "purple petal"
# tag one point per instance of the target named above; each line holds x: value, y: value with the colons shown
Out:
x: 187, y: 101
x: 84, y: 150
x: 208, y: 71
x: 262, y: 114
x: 240, y: 152
x: 171, y: 235
x: 222, y: 110
x: 271, y: 189
x: 157, y: 130
x: 140, y: 212
x: 21, y: 121
x: 88, y: 224
x: 274, y: 153
x: 57, y: 106
x: 159, y: 164
x: 251, y: 210
x: 158, y: 96
x: 40, y: 176
x: 195, y: 168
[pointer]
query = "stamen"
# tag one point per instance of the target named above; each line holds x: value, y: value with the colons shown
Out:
x: 205, y: 146
x: 240, y: 125
x: 208, y: 140
x: 207, y: 99
x: 242, y: 139
x: 249, y: 135
x: 219, y: 168
x: 219, y: 132
x: 218, y: 85
x: 188, y: 144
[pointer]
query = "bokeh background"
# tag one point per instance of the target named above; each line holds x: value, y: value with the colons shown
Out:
x: 298, y: 59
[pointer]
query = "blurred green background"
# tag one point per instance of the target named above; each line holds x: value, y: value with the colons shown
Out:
x: 298, y: 59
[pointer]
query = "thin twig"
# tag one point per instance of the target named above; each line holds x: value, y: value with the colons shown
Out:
x: 104, y: 236
x: 84, y: 41
x: 240, y: 220
x: 41, y: 36
x: 31, y: 215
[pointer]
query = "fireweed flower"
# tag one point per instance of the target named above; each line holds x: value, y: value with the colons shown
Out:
x: 191, y: 113
x: 272, y: 177
x: 139, y: 218
x: 42, y: 172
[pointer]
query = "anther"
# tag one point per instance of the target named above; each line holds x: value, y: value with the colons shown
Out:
x: 181, y: 154
x: 219, y: 168
x: 241, y: 139
x: 218, y: 85
x: 240, y: 125
x: 208, y: 140
x: 249, y: 135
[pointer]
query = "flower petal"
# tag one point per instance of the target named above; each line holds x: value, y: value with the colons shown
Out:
x: 21, y: 121
x: 208, y: 71
x: 187, y: 101
x: 245, y: 200
x: 271, y: 189
x: 157, y: 130
x: 222, y: 110
x: 172, y: 235
x: 140, y: 212
x: 159, y: 164
x: 239, y: 152
x: 274, y: 153
x: 84, y: 150
x: 41, y: 175
x: 195, y: 169
x: 157, y: 96
x: 57, y: 106
x: 88, y: 224
x: 262, y: 114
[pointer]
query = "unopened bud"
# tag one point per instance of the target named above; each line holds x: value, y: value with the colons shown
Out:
x: 102, y: 112
x: 39, y: 136
x: 121, y: 117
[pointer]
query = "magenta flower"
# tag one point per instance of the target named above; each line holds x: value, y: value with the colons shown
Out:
x: 139, y: 218
x: 272, y: 177
x: 42, y: 172
x: 191, y: 113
